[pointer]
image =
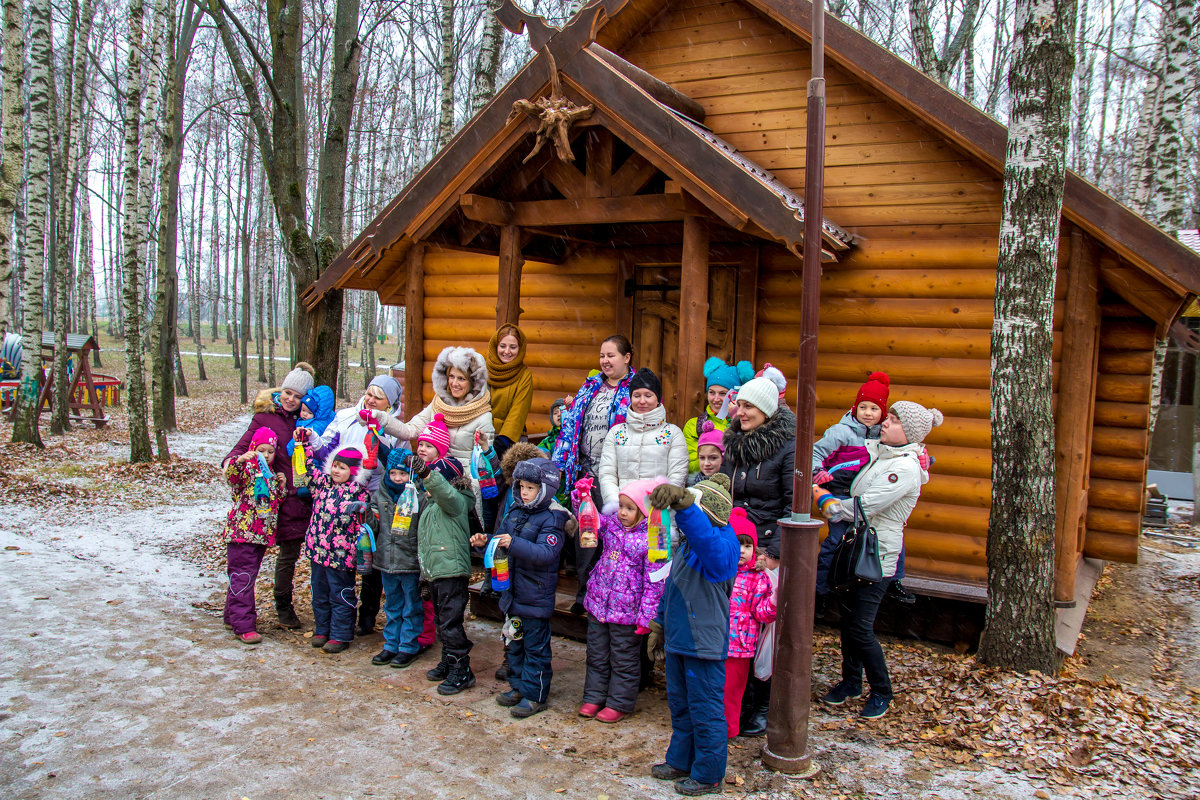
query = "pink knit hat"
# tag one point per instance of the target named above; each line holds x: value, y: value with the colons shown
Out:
x: 638, y: 491
x: 263, y: 435
x: 437, y: 434
x: 710, y: 435
x: 742, y: 526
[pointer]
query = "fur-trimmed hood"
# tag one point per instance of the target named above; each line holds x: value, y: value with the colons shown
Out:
x: 265, y: 402
x: 470, y: 363
x: 520, y: 451
x: 762, y: 443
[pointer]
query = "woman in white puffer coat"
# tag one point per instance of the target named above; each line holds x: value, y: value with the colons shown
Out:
x: 645, y: 445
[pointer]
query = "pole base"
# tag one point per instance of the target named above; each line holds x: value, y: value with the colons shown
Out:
x: 798, y: 767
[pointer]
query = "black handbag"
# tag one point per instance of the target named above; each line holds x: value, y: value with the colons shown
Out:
x: 856, y: 558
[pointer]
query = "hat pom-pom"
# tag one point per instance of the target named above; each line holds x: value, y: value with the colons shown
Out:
x: 881, y: 377
x: 439, y: 419
x: 936, y: 416
x: 707, y: 427
x: 712, y: 365
x: 738, y: 511
x: 775, y: 376
x: 745, y: 371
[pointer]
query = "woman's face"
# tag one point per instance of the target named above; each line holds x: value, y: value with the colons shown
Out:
x: 458, y: 383
x: 716, y: 398
x: 891, y: 432
x: 614, y: 365
x: 643, y: 401
x: 507, y: 348
x: 290, y: 399
x: 374, y: 399
x: 750, y: 416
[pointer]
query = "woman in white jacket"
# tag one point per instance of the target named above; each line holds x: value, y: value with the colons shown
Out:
x: 645, y: 445
x: 888, y: 488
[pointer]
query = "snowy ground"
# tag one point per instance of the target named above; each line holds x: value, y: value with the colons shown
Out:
x: 119, y: 681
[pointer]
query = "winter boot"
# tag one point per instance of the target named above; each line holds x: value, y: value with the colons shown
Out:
x: 503, y: 671
x: 460, y: 677
x: 442, y: 669
x: 756, y: 723
x: 285, y: 613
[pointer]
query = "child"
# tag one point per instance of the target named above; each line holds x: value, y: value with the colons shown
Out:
x: 719, y: 379
x: 533, y: 534
x: 710, y: 453
x: 444, y: 552
x: 339, y: 499
x: 757, y: 700
x: 556, y: 411
x: 693, y: 624
x: 751, y: 605
x: 250, y: 530
x: 316, y: 412
x: 621, y: 601
x: 399, y: 570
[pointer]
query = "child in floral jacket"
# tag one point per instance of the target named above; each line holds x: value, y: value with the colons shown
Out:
x: 339, y: 499
x: 250, y: 529
x: 751, y: 606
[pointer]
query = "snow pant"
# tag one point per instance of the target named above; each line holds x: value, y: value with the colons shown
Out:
x: 737, y: 671
x: 333, y: 602
x: 285, y: 570
x: 402, y: 606
x: 695, y: 693
x: 369, y: 593
x: 429, y: 627
x: 450, y: 607
x: 242, y: 563
x: 614, y: 670
x: 529, y: 669
x: 861, y: 650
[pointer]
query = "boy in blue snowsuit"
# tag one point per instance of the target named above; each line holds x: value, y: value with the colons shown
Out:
x: 693, y: 623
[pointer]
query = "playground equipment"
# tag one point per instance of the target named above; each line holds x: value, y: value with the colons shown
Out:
x: 87, y: 391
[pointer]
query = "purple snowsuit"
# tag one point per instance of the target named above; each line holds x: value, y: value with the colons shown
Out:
x: 619, y: 590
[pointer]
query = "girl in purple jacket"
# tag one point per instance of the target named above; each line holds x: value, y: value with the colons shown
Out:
x: 621, y: 601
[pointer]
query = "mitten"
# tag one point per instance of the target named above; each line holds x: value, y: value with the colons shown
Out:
x: 369, y: 415
x: 923, y: 459
x: 654, y: 642
x: 669, y: 496
x: 641, y: 630
x: 822, y: 477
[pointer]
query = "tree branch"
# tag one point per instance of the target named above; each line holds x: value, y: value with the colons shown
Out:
x: 221, y: 11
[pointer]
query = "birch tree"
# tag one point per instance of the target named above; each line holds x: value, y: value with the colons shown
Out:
x: 1019, y: 630
x: 1168, y: 200
x: 488, y: 63
x: 12, y: 146
x: 940, y: 66
x: 447, y: 75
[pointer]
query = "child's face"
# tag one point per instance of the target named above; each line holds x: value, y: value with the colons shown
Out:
x: 643, y: 401
x: 398, y: 476
x: 556, y: 417
x: 709, y: 458
x: 305, y: 412
x: 339, y: 472
x: 267, y: 450
x: 628, y: 513
x: 529, y: 491
x: 716, y: 398
x: 427, y: 452
x: 747, y: 554
x: 868, y: 413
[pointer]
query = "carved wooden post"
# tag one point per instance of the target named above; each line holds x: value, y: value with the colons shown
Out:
x: 693, y: 317
x: 414, y: 330
x: 508, y: 299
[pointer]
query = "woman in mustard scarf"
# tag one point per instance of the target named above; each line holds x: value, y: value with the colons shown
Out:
x: 511, y: 385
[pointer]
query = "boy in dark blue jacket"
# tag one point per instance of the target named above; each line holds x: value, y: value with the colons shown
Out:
x: 532, y: 533
x: 693, y: 623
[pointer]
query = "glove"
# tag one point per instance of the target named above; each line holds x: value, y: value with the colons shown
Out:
x: 923, y: 459
x: 654, y: 642
x: 301, y: 435
x: 668, y: 496
x: 641, y: 630
x: 417, y: 466
x: 845, y: 512
x: 369, y: 415
x: 822, y: 477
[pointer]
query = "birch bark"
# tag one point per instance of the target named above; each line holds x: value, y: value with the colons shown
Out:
x: 12, y: 147
x: 488, y: 63
x: 1168, y: 197
x: 447, y: 75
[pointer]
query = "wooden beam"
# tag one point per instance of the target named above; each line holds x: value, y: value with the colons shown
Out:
x: 585, y: 211
x: 746, y: 313
x: 623, y: 304
x: 663, y: 92
x: 414, y: 330
x: 599, y: 163
x: 632, y: 176
x: 1074, y: 414
x: 565, y: 177
x: 508, y: 300
x: 693, y: 317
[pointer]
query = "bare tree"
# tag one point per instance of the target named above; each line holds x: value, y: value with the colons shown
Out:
x: 12, y: 147
x: 1168, y: 201
x: 488, y: 63
x: 940, y: 66
x: 448, y: 72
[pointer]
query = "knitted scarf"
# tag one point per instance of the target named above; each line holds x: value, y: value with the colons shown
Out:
x: 457, y: 416
x: 566, y: 449
x: 499, y: 373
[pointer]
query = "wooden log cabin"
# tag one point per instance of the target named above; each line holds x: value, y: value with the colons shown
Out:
x: 676, y: 219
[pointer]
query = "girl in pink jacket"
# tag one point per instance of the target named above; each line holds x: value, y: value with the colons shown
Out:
x: 751, y: 606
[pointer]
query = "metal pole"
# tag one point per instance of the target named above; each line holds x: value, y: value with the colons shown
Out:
x: 791, y: 691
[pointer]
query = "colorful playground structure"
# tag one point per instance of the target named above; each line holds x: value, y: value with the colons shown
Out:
x: 88, y: 392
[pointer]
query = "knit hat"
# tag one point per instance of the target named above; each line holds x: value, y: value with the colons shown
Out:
x: 875, y: 390
x: 350, y: 456
x: 775, y: 376
x: 761, y: 393
x: 742, y: 526
x: 645, y: 379
x: 449, y: 467
x: 437, y: 434
x: 916, y: 420
x: 263, y: 435
x: 398, y: 458
x: 389, y: 386
x: 559, y: 403
x: 713, y: 496
x: 718, y: 373
x: 710, y: 435
x: 638, y: 491
x: 542, y: 472
x: 300, y: 380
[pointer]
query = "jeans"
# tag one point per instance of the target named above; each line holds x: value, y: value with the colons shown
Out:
x: 529, y: 669
x: 285, y: 570
x: 613, y: 665
x: 404, y: 611
x: 861, y: 651
x: 334, y: 603
x: 450, y: 606
x: 242, y: 562
x: 695, y: 696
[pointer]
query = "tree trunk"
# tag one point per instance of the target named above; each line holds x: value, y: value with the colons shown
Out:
x: 37, y: 185
x: 1080, y: 119
x: 942, y: 66
x: 197, y: 235
x: 1019, y: 631
x: 135, y: 379
x: 488, y: 64
x: 260, y: 266
x: 343, y: 353
x: 12, y: 149
x: 447, y: 74
x: 242, y: 338
x: 1169, y: 201
x: 271, y: 324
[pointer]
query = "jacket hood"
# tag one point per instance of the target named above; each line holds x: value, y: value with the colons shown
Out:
x: 264, y: 401
x: 470, y: 363
x: 653, y: 418
x: 322, y: 397
x: 849, y: 420
x: 520, y: 451
x: 761, y: 443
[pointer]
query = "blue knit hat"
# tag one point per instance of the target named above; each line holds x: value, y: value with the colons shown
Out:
x: 397, y: 458
x: 718, y: 373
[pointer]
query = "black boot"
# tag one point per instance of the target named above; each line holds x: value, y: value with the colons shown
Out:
x: 460, y: 677
x: 285, y: 613
x: 897, y: 592
x: 442, y: 669
x: 756, y: 725
x: 503, y: 671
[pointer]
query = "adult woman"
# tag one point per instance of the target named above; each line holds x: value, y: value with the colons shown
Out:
x: 645, y: 445
x: 599, y: 404
x: 278, y: 409
x: 760, y: 450
x: 511, y: 385
x: 888, y: 488
x: 719, y: 378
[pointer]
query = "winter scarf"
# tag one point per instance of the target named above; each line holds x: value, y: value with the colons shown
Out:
x: 566, y: 450
x: 747, y: 449
x: 499, y: 373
